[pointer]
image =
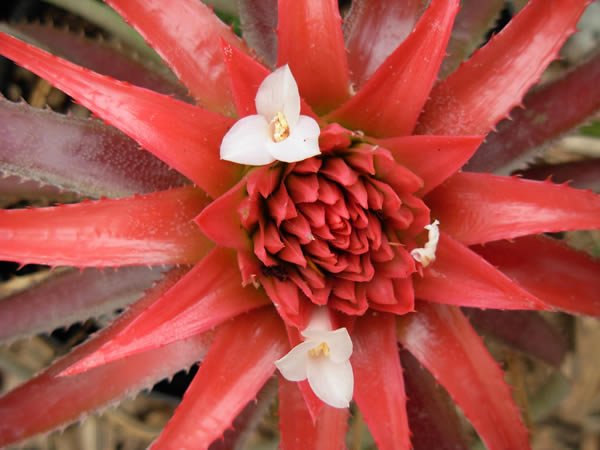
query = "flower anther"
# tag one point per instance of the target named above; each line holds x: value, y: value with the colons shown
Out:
x: 278, y: 131
x: 324, y: 359
x: 279, y: 128
x: 426, y: 255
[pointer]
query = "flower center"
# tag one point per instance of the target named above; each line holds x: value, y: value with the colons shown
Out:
x: 336, y: 230
x: 279, y: 127
x: 324, y: 358
x: 320, y: 350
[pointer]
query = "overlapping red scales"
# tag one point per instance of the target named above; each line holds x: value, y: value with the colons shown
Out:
x: 336, y: 229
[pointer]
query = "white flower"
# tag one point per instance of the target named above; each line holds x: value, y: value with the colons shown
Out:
x: 278, y: 131
x: 426, y: 255
x: 323, y: 358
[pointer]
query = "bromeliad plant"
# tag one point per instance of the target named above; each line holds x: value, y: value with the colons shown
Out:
x: 326, y: 222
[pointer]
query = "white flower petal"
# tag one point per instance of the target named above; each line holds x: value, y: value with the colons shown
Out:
x: 426, y: 255
x: 302, y: 143
x: 315, y: 334
x: 338, y: 341
x: 433, y: 234
x: 246, y: 142
x: 279, y: 93
x: 340, y: 345
x: 333, y: 383
x: 293, y: 365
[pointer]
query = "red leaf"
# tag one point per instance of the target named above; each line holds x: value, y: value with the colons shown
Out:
x: 150, y: 229
x: 86, y: 156
x: 258, y: 20
x: 188, y: 36
x: 432, y: 158
x: 185, y: 137
x: 548, y: 112
x: 442, y: 340
x: 245, y: 74
x: 100, y: 56
x: 206, y: 296
x: 299, y: 432
x: 391, y: 101
x: 221, y: 222
x: 69, y: 297
x: 461, y: 277
x: 373, y: 30
x: 379, y: 386
x: 49, y: 401
x: 239, y: 435
x: 477, y: 208
x: 473, y: 22
x: 526, y: 331
x: 310, y: 39
x: 432, y: 416
x: 223, y: 386
x: 485, y: 88
x: 562, y: 277
x: 583, y: 174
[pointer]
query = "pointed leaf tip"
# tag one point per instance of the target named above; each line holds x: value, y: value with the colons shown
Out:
x: 390, y: 102
x: 485, y: 88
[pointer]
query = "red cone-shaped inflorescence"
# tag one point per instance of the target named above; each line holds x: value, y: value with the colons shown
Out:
x: 336, y: 229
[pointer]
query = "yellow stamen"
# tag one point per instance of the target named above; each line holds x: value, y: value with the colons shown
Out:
x: 279, y: 127
x: 321, y: 349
